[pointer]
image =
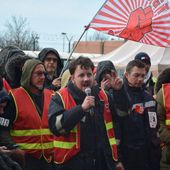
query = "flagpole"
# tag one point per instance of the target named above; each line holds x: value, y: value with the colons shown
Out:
x: 70, y: 55
x: 86, y: 28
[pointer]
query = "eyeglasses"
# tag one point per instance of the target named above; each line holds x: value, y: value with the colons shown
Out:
x: 40, y: 73
x: 51, y: 59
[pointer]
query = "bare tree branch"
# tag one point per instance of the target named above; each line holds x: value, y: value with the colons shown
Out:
x: 19, y: 34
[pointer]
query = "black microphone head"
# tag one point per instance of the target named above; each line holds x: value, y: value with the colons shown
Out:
x: 88, y: 91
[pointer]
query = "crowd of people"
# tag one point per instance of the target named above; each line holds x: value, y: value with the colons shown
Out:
x: 86, y: 118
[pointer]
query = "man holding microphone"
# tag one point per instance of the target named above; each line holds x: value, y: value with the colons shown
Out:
x: 80, y: 116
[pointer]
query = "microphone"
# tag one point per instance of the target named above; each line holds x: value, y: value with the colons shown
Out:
x: 88, y: 93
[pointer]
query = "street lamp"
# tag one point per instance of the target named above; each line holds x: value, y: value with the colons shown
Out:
x: 68, y: 39
x: 63, y: 33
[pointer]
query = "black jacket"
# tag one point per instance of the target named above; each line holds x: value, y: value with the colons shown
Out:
x: 94, y: 142
x: 140, y: 145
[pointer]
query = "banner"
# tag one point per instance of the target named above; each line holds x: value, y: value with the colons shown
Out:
x: 145, y: 21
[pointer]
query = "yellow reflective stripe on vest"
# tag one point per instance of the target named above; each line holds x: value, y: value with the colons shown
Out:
x: 112, y: 141
x: 47, y: 145
x: 35, y: 132
x: 74, y: 130
x: 109, y: 125
x: 167, y: 122
x: 154, y: 79
x: 64, y: 145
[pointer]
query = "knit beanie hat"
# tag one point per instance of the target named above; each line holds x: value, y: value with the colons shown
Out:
x: 144, y: 57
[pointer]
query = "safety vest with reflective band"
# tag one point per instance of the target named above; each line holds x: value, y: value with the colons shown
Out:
x: 166, y: 98
x: 30, y: 131
x: 69, y: 145
x: 6, y: 85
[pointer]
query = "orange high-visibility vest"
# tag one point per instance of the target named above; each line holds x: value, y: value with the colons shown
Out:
x: 30, y: 131
x: 69, y: 145
x: 6, y: 85
x: 166, y: 98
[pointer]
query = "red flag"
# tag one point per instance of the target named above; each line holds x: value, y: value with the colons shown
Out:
x: 145, y: 21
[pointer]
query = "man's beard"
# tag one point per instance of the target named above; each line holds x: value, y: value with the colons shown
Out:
x: 37, y: 87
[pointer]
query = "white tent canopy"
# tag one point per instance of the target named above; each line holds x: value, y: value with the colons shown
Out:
x: 121, y: 56
x: 160, y: 56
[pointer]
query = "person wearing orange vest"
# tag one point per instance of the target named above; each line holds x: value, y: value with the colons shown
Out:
x: 162, y: 90
x: 28, y: 117
x: 82, y: 122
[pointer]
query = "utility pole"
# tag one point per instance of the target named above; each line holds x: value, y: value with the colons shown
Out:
x: 35, y: 40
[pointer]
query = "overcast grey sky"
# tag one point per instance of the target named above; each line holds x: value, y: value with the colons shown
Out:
x: 49, y: 18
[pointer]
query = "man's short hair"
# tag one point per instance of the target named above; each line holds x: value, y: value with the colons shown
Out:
x: 84, y: 62
x: 134, y: 63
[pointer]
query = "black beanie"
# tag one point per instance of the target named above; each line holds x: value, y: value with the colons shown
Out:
x: 144, y: 57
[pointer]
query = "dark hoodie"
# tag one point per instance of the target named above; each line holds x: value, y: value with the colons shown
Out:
x: 48, y: 81
x: 43, y: 54
x: 13, y: 69
x: 6, y: 54
x: 119, y: 97
x: 103, y: 68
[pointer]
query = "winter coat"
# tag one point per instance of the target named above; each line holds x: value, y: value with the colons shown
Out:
x: 94, y: 142
x: 140, y: 144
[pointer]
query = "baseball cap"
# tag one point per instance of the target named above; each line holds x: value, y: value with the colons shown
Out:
x: 144, y: 57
